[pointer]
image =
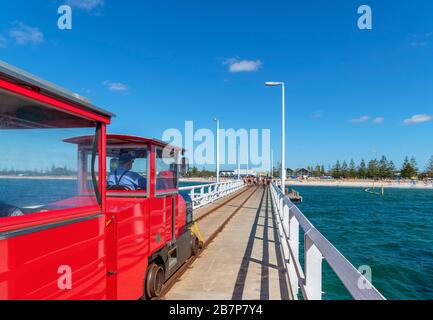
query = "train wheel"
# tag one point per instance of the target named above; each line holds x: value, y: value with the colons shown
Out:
x: 195, y: 246
x: 154, y: 280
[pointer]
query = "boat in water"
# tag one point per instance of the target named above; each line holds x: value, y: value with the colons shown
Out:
x: 293, y: 195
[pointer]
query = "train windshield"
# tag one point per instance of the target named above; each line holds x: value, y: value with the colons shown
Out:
x: 127, y: 169
x: 38, y: 169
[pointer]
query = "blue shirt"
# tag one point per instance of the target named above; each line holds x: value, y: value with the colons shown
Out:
x: 125, y: 178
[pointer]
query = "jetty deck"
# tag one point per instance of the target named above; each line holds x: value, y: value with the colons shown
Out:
x: 244, y: 261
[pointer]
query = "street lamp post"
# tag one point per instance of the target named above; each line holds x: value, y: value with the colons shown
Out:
x: 239, y: 161
x: 283, y: 142
x: 271, y: 173
x: 248, y: 161
x: 217, y: 150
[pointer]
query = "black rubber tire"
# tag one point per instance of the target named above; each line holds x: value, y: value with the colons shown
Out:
x: 154, y: 281
x: 195, y: 246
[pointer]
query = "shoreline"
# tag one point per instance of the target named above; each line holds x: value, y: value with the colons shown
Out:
x: 358, y: 184
x: 37, y: 178
x: 290, y: 182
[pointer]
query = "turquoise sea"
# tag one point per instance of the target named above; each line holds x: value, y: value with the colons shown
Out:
x: 391, y: 234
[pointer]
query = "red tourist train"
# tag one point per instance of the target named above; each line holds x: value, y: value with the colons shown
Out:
x: 69, y: 227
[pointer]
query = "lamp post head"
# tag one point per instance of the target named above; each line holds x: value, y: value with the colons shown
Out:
x: 215, y: 119
x: 273, y: 84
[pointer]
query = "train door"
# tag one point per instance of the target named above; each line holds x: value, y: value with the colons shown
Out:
x: 166, y: 182
x: 128, y: 205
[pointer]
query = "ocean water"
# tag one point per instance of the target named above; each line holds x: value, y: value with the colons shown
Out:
x: 26, y: 192
x: 391, y: 234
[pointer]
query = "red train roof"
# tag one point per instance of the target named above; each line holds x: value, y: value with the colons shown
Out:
x: 24, y: 86
x: 120, y: 139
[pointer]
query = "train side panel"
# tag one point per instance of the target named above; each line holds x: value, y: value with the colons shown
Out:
x: 181, y: 226
x: 168, y: 218
x: 157, y: 220
x: 55, y: 262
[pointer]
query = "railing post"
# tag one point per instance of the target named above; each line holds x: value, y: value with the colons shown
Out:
x: 313, y: 269
x: 294, y: 245
x: 201, y: 193
x: 191, y: 194
x: 281, y: 204
x: 285, y: 218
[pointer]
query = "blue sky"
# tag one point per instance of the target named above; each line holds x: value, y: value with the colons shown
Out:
x: 158, y: 63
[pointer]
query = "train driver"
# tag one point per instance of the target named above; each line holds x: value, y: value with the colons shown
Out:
x: 123, y: 178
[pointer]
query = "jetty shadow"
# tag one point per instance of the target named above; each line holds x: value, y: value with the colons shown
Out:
x: 243, y: 269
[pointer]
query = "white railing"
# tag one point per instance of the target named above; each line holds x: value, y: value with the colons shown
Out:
x: 316, y: 248
x: 204, y: 194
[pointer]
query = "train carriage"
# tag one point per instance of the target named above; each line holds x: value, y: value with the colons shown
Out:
x: 66, y: 230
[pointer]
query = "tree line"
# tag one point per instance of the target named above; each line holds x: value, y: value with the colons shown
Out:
x: 375, y: 169
x: 53, y: 171
x: 195, y: 173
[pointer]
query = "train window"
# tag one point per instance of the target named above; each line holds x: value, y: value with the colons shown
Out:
x: 39, y: 170
x: 166, y: 170
x: 127, y: 169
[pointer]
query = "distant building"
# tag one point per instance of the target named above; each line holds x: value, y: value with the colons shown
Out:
x: 298, y: 172
x: 245, y: 172
x: 303, y: 172
x: 227, y: 173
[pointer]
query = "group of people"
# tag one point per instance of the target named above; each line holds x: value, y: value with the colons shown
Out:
x: 262, y: 182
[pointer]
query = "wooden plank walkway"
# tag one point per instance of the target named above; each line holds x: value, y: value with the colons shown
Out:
x: 244, y: 262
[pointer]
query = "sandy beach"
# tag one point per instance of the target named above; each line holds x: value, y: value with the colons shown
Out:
x: 360, y: 184
x: 339, y: 183
x: 203, y: 180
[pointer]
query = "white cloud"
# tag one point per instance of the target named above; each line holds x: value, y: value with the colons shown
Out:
x: 23, y: 34
x: 420, y: 40
x: 86, y: 4
x: 3, y: 42
x: 418, y: 44
x: 418, y: 118
x: 378, y: 120
x: 87, y: 91
x: 361, y: 119
x: 317, y: 115
x: 115, y: 86
x: 237, y: 65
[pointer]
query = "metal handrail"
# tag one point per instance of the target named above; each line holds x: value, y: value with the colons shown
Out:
x: 316, y: 248
x: 198, y: 186
x: 207, y: 193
